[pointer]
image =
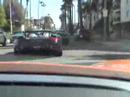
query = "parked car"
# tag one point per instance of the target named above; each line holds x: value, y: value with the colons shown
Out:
x: 65, y: 36
x: 3, y: 38
x: 39, y: 40
x: 31, y: 79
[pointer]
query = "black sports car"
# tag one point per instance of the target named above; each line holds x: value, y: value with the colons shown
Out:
x: 65, y: 36
x: 16, y: 35
x: 39, y: 40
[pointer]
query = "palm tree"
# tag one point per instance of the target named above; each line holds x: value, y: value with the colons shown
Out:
x: 109, y: 7
x: 27, y: 1
x: 95, y: 6
x: 68, y: 5
x: 63, y: 17
x: 89, y: 6
x: 80, y: 14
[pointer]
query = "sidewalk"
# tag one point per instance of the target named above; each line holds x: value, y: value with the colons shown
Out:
x: 84, y: 45
x: 120, y: 45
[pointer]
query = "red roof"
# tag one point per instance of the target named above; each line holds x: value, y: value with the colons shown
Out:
x: 108, y: 69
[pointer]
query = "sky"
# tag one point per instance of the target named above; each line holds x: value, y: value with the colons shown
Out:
x: 52, y: 7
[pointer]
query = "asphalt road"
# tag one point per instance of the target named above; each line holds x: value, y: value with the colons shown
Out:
x: 83, y: 54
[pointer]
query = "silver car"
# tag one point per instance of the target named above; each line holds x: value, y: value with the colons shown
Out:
x: 2, y: 38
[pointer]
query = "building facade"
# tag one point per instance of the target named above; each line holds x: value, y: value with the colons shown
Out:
x: 93, y: 15
x: 121, y: 11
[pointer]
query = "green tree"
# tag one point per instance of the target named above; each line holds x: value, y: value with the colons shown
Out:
x: 18, y: 12
x: 3, y: 21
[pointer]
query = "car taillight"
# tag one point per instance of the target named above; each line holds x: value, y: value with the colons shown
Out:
x: 55, y: 39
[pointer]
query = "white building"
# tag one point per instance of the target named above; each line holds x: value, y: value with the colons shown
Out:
x: 121, y: 13
x: 125, y: 11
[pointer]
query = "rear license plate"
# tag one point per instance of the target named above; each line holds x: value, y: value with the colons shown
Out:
x: 36, y: 47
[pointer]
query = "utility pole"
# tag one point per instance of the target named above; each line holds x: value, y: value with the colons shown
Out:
x: 30, y: 12
x: 40, y: 3
x: 27, y: 1
x: 0, y: 2
x: 105, y: 14
x: 38, y: 14
x: 11, y: 24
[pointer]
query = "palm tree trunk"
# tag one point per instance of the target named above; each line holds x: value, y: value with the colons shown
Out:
x: 80, y: 14
x: 70, y: 20
x: 65, y: 18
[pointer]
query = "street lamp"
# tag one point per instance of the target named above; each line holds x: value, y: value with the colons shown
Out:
x: 40, y: 3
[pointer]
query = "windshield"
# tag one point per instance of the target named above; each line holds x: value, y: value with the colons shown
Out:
x: 66, y: 32
x: 86, y: 32
x: 43, y: 91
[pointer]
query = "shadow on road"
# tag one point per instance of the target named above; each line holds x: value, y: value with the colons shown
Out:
x: 30, y: 56
x: 84, y: 45
x: 111, y: 56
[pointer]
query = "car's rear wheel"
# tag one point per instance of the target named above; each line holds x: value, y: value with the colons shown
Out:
x: 58, y: 53
x: 17, y: 50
